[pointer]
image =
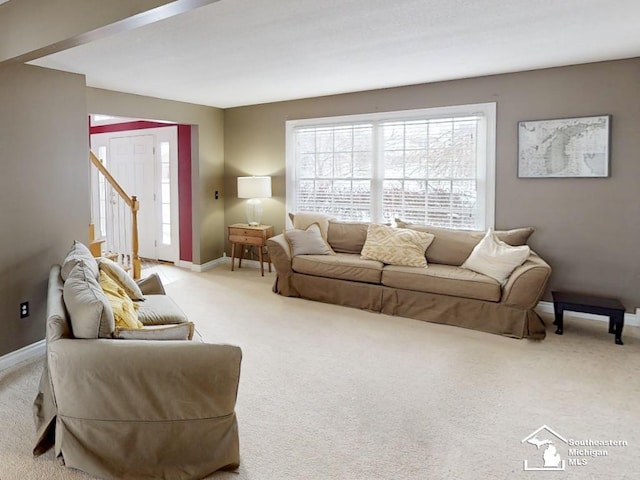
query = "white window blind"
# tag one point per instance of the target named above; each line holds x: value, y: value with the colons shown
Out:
x: 334, y: 170
x: 430, y: 166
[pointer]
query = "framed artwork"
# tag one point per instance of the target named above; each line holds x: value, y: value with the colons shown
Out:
x: 565, y: 147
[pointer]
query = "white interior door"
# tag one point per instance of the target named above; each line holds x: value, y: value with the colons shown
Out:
x: 132, y: 163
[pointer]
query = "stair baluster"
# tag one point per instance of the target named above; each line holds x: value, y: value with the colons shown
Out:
x: 124, y: 211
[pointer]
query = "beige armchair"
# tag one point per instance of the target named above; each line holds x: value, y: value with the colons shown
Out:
x: 136, y: 408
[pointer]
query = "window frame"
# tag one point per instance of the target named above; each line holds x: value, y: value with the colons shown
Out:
x: 485, y: 167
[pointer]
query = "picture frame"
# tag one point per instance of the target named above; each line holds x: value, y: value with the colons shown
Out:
x: 577, y: 147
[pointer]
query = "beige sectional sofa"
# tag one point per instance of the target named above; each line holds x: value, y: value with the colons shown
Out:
x: 130, y: 408
x: 444, y: 292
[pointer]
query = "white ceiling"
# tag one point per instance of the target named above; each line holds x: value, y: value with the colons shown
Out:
x: 243, y: 52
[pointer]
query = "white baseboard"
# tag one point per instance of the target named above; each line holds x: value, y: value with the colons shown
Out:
x: 209, y: 265
x: 225, y: 261
x: 25, y: 353
x: 184, y: 264
x: 630, y: 319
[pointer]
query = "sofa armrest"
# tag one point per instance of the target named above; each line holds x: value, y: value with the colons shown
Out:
x: 151, y: 285
x: 280, y: 252
x: 131, y: 380
x: 526, y: 285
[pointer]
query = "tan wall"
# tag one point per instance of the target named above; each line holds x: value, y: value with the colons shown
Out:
x: 207, y: 165
x: 587, y: 229
x: 44, y: 189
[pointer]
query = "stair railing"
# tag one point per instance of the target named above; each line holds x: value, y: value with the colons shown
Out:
x: 134, y: 206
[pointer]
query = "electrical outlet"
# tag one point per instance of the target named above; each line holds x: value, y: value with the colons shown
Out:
x: 24, y: 309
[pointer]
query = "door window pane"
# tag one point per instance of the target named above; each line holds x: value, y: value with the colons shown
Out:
x: 165, y: 191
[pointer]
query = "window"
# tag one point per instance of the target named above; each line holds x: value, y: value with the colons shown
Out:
x: 433, y: 166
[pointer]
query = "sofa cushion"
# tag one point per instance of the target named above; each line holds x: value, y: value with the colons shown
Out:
x: 443, y: 279
x: 395, y: 246
x: 79, y: 252
x: 160, y: 310
x: 495, y: 258
x: 347, y: 237
x: 453, y: 247
x: 308, y: 241
x: 180, y: 331
x: 121, y: 277
x: 89, y: 309
x: 125, y: 314
x: 345, y: 266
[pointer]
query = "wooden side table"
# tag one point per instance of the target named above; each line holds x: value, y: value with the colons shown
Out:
x: 577, y: 302
x: 241, y: 234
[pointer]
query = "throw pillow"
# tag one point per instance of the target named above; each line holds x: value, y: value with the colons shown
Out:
x: 496, y: 259
x: 89, y: 309
x: 302, y: 220
x: 181, y: 331
x: 78, y: 252
x: 121, y: 277
x: 307, y: 242
x: 151, y: 285
x: 396, y: 246
x: 124, y: 312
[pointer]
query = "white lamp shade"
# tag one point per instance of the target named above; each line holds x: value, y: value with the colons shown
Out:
x: 254, y: 187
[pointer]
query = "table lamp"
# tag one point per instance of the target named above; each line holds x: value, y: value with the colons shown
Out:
x: 254, y: 188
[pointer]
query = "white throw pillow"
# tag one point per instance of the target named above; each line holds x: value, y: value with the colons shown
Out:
x: 396, y: 246
x: 496, y: 259
x: 89, y: 310
x: 79, y: 252
x: 307, y: 242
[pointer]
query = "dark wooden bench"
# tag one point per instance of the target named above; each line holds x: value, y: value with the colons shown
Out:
x: 579, y: 302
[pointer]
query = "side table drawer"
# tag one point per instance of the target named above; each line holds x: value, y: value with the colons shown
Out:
x: 245, y: 232
x: 246, y: 240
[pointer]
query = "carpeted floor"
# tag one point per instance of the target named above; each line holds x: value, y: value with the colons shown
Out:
x: 329, y: 392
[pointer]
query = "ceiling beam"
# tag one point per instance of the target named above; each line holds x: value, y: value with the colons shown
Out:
x: 31, y: 29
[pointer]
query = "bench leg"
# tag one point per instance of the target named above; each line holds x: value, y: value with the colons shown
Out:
x: 618, y: 324
x: 559, y: 321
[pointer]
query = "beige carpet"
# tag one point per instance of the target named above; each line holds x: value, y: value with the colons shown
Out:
x: 329, y: 392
